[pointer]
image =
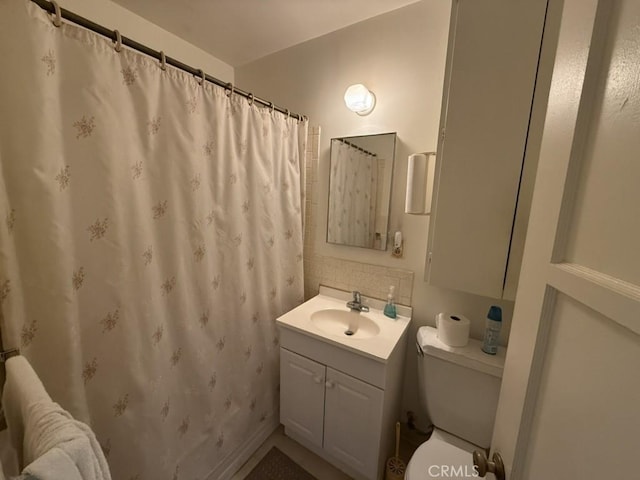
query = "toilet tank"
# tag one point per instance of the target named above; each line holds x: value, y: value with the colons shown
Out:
x: 459, y: 386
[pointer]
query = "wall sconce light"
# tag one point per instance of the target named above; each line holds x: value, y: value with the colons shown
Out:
x: 359, y: 99
x: 420, y: 175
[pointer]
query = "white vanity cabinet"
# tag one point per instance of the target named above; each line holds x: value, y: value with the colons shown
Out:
x: 333, y: 411
x: 340, y: 394
x: 485, y: 130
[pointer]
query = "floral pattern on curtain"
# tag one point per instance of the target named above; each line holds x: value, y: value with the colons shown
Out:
x: 352, y: 204
x: 151, y: 233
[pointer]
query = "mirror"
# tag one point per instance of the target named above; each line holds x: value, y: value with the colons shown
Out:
x: 360, y: 190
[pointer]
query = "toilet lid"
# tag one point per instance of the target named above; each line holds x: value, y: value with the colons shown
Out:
x: 438, y: 457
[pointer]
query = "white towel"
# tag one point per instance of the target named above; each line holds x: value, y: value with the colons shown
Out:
x: 22, y: 388
x: 52, y: 444
x: 55, y: 464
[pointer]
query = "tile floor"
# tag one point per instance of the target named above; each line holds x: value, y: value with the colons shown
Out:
x: 315, y: 465
x: 312, y: 463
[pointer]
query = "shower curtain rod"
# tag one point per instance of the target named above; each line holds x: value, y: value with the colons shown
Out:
x: 111, y: 34
x: 356, y: 147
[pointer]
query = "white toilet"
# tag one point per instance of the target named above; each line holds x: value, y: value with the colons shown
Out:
x: 459, y: 388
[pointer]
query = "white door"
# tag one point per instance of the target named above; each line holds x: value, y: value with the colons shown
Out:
x: 302, y: 396
x: 353, y: 418
x: 570, y: 401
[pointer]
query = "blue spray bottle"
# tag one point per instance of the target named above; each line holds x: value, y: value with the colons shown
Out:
x: 492, y: 331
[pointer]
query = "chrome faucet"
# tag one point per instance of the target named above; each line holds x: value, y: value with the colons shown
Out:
x: 356, y: 304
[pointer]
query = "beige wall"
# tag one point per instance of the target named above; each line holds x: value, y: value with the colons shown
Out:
x: 112, y: 15
x: 401, y: 57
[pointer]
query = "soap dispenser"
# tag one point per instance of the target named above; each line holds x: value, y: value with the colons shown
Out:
x: 390, y: 307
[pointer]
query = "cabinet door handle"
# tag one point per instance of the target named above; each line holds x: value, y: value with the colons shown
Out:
x: 317, y: 379
x: 329, y: 384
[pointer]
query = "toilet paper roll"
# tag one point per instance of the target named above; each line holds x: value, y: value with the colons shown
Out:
x: 453, y: 330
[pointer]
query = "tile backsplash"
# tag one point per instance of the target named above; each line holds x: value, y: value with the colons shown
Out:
x: 371, y: 280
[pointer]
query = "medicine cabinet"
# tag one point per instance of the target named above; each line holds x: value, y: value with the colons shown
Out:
x: 489, y: 107
x: 360, y: 190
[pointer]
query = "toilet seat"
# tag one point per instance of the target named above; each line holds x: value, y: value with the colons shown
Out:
x: 442, y: 456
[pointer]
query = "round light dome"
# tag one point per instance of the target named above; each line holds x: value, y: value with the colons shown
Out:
x: 359, y: 99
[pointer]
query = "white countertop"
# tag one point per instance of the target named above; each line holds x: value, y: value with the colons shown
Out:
x: 378, y: 347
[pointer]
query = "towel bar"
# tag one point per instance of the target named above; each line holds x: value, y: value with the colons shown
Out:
x: 7, y: 354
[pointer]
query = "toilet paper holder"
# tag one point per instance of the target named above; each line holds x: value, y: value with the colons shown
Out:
x: 484, y: 465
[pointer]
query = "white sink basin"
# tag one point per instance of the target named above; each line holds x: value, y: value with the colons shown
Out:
x: 326, y: 318
x: 345, y: 323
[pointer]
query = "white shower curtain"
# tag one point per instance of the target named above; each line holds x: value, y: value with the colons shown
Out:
x: 151, y: 233
x: 352, y: 204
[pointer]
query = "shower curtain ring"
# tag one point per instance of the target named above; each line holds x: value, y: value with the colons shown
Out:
x: 229, y: 91
x: 57, y: 19
x: 288, y: 114
x: 163, y: 61
x: 118, y: 46
x: 272, y: 107
x: 202, y: 77
x: 251, y: 98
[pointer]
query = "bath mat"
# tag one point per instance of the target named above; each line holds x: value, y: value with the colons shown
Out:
x: 275, y: 465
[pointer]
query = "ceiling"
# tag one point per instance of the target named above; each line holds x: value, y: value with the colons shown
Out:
x: 240, y: 31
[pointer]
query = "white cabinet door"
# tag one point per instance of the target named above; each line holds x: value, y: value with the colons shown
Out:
x: 302, y: 395
x: 353, y: 418
x: 491, y: 71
